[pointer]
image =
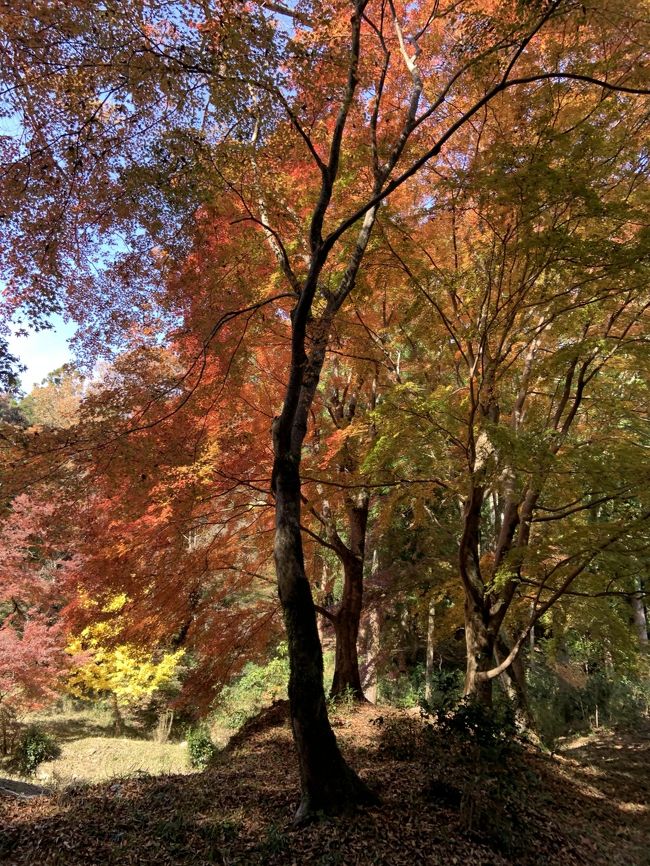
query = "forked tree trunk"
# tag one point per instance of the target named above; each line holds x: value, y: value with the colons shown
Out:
x: 328, y: 784
x: 515, y: 684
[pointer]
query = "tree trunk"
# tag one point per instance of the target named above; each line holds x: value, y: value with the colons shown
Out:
x: 347, y: 678
x: 639, y: 615
x: 480, y: 652
x: 325, y: 582
x: 328, y: 784
x: 531, y: 636
x: 346, y: 669
x: 430, y: 660
x: 118, y: 721
x: 369, y: 674
x: 514, y: 678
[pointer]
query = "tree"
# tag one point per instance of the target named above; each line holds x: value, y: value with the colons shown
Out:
x: 55, y: 402
x: 538, y: 299
x: 146, y: 116
x: 338, y: 490
x: 125, y: 672
x: 32, y: 662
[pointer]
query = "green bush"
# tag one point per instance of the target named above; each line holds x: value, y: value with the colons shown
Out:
x: 562, y: 706
x: 629, y: 701
x: 200, y: 748
x: 257, y: 687
x: 404, y: 690
x: 490, y: 731
x: 34, y: 747
x: 446, y: 689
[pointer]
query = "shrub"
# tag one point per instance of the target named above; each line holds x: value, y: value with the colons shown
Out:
x: 566, y: 699
x: 479, y: 751
x: 200, y: 748
x: 257, y: 687
x: 342, y: 704
x: 402, y: 738
x: 489, y: 732
x: 404, y: 690
x: 34, y: 747
x: 446, y: 689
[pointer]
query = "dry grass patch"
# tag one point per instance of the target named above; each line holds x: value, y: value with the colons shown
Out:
x: 96, y: 759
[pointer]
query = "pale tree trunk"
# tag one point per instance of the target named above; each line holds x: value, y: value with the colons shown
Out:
x: 479, y: 638
x: 430, y: 660
x: 531, y: 636
x: 639, y: 616
x: 373, y: 648
x: 480, y: 652
x: 324, y: 580
x: 514, y: 681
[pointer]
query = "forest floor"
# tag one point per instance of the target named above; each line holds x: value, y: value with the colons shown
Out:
x: 587, y: 805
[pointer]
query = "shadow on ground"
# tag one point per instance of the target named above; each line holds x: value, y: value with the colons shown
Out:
x: 579, y: 808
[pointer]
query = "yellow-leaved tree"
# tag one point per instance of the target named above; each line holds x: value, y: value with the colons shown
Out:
x: 122, y: 671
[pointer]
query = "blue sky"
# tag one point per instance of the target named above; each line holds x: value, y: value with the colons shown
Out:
x: 42, y: 352
x: 45, y: 351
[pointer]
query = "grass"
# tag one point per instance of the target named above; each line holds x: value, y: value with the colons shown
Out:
x: 90, y: 752
x: 96, y: 759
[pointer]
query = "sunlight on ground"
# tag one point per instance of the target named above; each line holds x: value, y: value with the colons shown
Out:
x: 90, y: 752
x: 95, y: 759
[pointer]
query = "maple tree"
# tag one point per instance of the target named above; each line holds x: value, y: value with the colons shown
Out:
x: 33, y: 660
x: 124, y: 671
x: 138, y: 125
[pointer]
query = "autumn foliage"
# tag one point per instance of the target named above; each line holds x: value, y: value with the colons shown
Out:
x: 362, y: 301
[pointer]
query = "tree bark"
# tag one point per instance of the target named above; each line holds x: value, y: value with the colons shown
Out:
x: 480, y: 652
x: 515, y: 682
x: 369, y: 674
x: 430, y: 660
x: 479, y: 638
x: 347, y: 678
x: 328, y: 784
x: 118, y: 721
x: 324, y: 581
x: 639, y: 615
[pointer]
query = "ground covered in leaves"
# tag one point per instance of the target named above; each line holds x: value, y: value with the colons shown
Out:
x: 589, y: 805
